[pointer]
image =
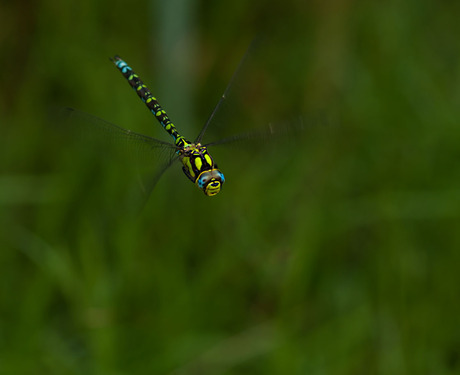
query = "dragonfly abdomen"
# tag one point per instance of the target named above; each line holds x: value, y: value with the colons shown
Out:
x: 150, y: 101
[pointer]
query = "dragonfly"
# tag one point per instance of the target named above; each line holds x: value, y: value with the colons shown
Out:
x: 197, y: 163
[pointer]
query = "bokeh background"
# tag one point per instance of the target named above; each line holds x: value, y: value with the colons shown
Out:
x: 334, y: 251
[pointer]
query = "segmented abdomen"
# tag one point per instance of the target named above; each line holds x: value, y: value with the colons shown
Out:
x: 150, y: 101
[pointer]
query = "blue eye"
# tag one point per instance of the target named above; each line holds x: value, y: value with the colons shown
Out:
x: 202, y: 181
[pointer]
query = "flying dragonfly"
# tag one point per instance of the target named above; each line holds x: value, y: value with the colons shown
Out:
x: 197, y: 163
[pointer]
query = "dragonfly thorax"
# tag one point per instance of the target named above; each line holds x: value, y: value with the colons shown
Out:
x: 200, y: 168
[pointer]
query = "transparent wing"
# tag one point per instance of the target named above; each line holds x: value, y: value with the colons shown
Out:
x: 151, y: 182
x: 92, y: 126
x: 272, y: 134
x: 139, y: 157
x: 226, y: 94
x: 147, y: 183
x: 257, y: 103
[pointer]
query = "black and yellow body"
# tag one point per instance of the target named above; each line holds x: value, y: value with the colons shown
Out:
x: 200, y: 168
x: 198, y: 164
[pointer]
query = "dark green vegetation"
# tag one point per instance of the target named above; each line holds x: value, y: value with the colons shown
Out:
x: 336, y: 255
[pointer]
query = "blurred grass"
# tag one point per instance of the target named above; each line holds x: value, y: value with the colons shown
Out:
x: 338, y: 256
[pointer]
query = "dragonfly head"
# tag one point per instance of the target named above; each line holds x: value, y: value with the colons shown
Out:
x: 210, y: 181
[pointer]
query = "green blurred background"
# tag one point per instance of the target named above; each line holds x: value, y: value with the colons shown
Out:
x: 337, y: 253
